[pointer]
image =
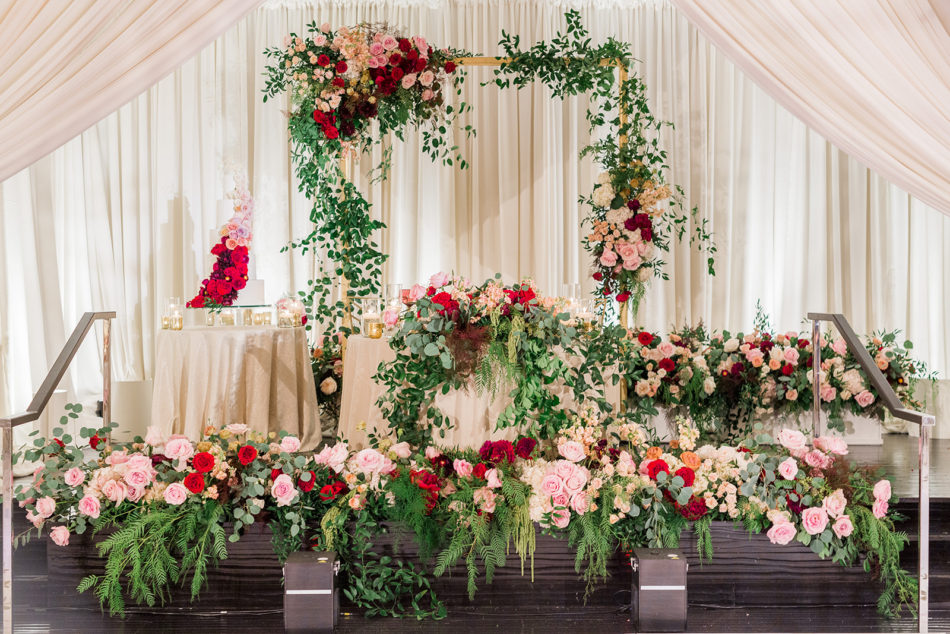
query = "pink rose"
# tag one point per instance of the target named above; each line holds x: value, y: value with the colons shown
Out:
x: 432, y: 453
x: 369, y: 461
x: 175, y: 493
x: 115, y: 491
x: 135, y: 494
x: 283, y: 490
x: 576, y: 482
x: 376, y: 48
x: 564, y: 469
x: 235, y: 428
x: 835, y: 503
x: 561, y: 518
x: 428, y: 94
x: 462, y: 467
x: 426, y: 78
x: 117, y: 457
x: 60, y: 536
x: 843, y: 526
x: 493, y: 479
x: 34, y: 519
x: 882, y: 490
x: 138, y: 462
x: 390, y: 317
x: 389, y: 42
x: 551, y: 484
x: 608, y: 258
x: 879, y: 508
x: 814, y: 520
x: 179, y: 449
x: 666, y: 349
x: 580, y: 503
x: 828, y: 393
x: 627, y: 251
x: 571, y: 450
x: 791, y: 439
x: 790, y: 355
x: 417, y: 292
x: 74, y: 477
x: 439, y: 279
x: 89, y: 506
x: 485, y: 499
x: 818, y: 459
x: 782, y: 533
x: 290, y: 444
x: 839, y: 346
x: 560, y: 499
x: 333, y: 457
x: 401, y: 450
x: 864, y: 398
x: 788, y: 469
x: 408, y: 81
x: 755, y: 357
x: 831, y: 444
x: 137, y: 479
x: 45, y: 507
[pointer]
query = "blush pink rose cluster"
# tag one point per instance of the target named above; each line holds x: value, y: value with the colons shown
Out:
x: 564, y: 486
x: 882, y: 496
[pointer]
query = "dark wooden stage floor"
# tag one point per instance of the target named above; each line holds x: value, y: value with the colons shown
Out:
x: 36, y: 608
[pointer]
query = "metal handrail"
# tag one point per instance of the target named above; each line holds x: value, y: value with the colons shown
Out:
x: 33, y: 411
x: 894, y: 405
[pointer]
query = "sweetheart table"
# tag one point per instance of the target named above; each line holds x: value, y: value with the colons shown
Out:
x: 256, y: 375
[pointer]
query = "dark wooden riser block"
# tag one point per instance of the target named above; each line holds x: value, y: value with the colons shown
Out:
x: 745, y: 571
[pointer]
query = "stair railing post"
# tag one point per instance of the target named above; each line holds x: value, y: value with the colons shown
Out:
x: 816, y: 378
x: 107, y: 377
x: 923, y: 528
x: 7, y: 465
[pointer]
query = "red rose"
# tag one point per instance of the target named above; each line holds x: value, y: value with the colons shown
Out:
x: 479, y: 470
x: 445, y: 300
x: 655, y: 467
x: 203, y: 462
x: 323, y: 60
x: 94, y: 441
x: 397, y: 74
x: 197, y: 302
x: 667, y: 364
x: 307, y: 485
x: 524, y: 447
x: 240, y: 282
x: 802, y: 343
x: 645, y: 338
x: 737, y: 368
x: 59, y: 442
x: 195, y: 482
x: 219, y: 248
x: 497, y: 452
x: 633, y: 205
x: 394, y: 59
x: 338, y: 82
x: 598, y: 276
x: 694, y: 509
x: 341, y: 67
x: 623, y: 297
x: 330, y: 131
x: 247, y: 454
x: 339, y: 487
x: 404, y: 45
x: 646, y: 233
x: 275, y: 472
x: 787, y: 369
x: 420, y: 65
x: 688, y: 475
x: 450, y: 66
x: 327, y: 493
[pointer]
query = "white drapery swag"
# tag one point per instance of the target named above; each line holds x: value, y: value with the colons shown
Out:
x: 871, y: 77
x: 66, y: 65
x: 122, y: 216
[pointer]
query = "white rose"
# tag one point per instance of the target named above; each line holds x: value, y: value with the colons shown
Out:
x: 603, y: 178
x: 732, y: 345
x: 603, y: 195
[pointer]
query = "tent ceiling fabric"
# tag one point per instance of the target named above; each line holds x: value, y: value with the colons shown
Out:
x: 871, y: 77
x: 66, y: 65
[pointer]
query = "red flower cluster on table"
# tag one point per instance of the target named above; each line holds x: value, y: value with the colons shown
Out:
x: 497, y: 452
x: 429, y: 483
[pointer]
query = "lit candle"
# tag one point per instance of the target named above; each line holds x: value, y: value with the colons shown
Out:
x: 166, y: 322
x: 285, y: 319
x: 258, y: 319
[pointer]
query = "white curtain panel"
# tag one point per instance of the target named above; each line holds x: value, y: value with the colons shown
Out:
x: 871, y: 77
x: 65, y: 65
x: 122, y: 215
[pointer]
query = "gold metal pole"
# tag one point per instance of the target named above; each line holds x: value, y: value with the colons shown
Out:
x: 344, y: 282
x: 621, y: 79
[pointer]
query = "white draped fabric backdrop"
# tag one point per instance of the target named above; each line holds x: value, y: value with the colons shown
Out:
x: 121, y: 216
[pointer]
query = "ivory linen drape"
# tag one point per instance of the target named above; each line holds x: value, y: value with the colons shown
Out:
x: 121, y: 215
x: 871, y: 77
x: 65, y: 65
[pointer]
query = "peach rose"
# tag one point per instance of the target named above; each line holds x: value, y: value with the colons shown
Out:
x: 89, y: 506
x: 571, y: 450
x: 688, y: 458
x: 60, y: 536
x: 843, y: 526
x: 782, y: 533
x: 654, y: 452
x: 814, y: 520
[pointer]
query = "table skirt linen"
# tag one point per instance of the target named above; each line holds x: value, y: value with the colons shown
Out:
x: 256, y: 375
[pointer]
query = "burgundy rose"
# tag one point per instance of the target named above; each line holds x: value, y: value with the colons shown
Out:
x: 323, y: 60
x: 737, y: 368
x: 338, y: 82
x: 667, y: 364
x: 307, y: 485
x: 633, y: 205
x: 404, y: 45
x: 524, y: 447
x: 397, y: 73
x: 394, y: 59
x: 341, y: 67
x: 450, y: 66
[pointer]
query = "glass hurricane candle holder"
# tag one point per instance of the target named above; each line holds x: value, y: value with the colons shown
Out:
x: 258, y: 319
x: 371, y: 317
x: 290, y: 311
x: 209, y: 317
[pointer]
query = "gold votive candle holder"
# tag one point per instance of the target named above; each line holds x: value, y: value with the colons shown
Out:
x: 227, y: 317
x: 374, y: 329
x: 209, y: 318
x: 258, y: 319
x: 166, y: 322
x: 247, y: 316
x: 177, y: 321
x: 267, y: 318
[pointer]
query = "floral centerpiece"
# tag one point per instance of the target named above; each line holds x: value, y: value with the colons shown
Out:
x: 327, y: 363
x: 229, y: 272
x: 162, y: 503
